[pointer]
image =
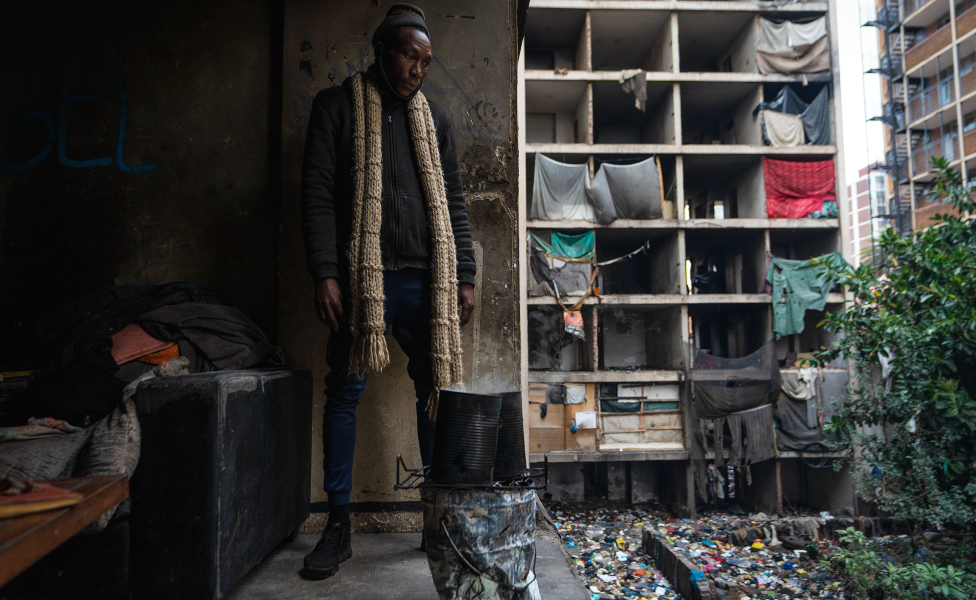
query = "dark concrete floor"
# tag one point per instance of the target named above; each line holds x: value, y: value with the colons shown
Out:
x: 383, y: 566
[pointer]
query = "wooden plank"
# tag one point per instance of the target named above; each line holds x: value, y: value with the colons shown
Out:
x: 25, y: 540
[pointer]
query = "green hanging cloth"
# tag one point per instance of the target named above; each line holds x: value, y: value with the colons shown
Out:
x: 539, y: 243
x: 799, y: 286
x: 574, y: 246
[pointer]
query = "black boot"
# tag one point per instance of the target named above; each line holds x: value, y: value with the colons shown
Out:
x: 334, y: 547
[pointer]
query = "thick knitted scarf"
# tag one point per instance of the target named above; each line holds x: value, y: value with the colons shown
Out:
x: 369, y: 351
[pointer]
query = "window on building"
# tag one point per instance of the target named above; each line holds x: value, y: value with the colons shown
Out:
x: 966, y: 64
x: 949, y: 145
x: 969, y: 122
x: 945, y: 87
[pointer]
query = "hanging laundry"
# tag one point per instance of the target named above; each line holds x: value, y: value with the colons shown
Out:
x: 799, y: 286
x: 563, y: 191
x: 800, y: 383
x: 575, y: 393
x: 582, y: 246
x: 782, y: 130
x: 816, y: 119
x: 791, y: 47
x: 629, y: 191
x: 796, y: 189
x: 559, y: 191
x: 635, y: 84
x: 556, y: 277
x: 786, y: 101
x: 815, y: 116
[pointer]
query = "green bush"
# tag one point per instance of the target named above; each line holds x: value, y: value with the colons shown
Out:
x: 870, y: 573
x: 915, y: 430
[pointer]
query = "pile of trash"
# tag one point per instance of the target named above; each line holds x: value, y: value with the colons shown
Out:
x: 747, y: 557
x: 605, y: 543
x: 756, y: 556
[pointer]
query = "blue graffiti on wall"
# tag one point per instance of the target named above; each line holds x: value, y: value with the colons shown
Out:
x: 59, y: 134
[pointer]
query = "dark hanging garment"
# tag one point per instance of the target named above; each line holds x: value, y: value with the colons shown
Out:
x: 816, y: 119
x: 637, y: 85
x: 786, y: 101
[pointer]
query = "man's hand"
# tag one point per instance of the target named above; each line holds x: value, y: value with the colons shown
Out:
x: 465, y: 302
x: 328, y: 302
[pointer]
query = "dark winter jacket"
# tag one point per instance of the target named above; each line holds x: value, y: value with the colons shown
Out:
x: 327, y: 189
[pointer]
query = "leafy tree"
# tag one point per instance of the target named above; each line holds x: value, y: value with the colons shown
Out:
x: 912, y: 430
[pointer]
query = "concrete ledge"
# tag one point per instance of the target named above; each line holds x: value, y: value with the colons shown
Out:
x: 676, y: 567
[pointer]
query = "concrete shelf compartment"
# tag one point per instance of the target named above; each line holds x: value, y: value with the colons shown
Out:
x: 626, y: 39
x: 803, y: 244
x: 616, y: 119
x: 725, y: 262
x: 730, y: 331
x: 648, y: 272
x: 720, y: 113
x: 812, y: 338
x: 557, y: 39
x: 724, y: 188
x: 557, y: 112
x: 717, y: 41
x: 632, y: 339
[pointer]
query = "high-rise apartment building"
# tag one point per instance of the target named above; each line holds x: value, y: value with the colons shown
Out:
x: 694, y: 140
x: 927, y: 50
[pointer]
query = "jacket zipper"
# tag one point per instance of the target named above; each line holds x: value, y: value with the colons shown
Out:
x: 393, y: 193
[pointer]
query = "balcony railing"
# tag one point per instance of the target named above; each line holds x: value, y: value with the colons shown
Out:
x: 969, y: 143
x: 965, y: 22
x: 910, y: 6
x: 967, y: 82
x: 928, y: 47
x: 931, y: 98
x: 922, y: 155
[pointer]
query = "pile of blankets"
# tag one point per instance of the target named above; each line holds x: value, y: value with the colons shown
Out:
x: 76, y: 414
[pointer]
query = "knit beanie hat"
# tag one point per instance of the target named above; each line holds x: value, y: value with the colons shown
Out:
x: 401, y: 15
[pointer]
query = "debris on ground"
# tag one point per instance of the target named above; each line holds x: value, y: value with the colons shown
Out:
x: 745, y: 556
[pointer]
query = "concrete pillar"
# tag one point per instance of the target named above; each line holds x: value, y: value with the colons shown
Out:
x: 644, y: 482
x: 761, y: 496
x: 566, y: 482
x: 617, y: 481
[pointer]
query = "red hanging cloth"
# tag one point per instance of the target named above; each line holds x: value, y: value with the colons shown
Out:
x: 796, y: 189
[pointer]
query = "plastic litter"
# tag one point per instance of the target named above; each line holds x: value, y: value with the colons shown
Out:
x: 734, y: 552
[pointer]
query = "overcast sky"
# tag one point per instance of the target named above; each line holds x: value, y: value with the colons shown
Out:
x: 858, y: 152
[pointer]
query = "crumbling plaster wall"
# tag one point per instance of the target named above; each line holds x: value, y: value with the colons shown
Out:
x: 474, y: 77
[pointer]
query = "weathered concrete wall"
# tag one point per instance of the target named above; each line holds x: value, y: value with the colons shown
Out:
x: 187, y: 192
x: 473, y: 76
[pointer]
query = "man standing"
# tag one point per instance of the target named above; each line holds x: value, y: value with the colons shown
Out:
x: 388, y: 245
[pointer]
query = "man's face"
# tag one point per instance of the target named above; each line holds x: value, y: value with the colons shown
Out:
x: 407, y: 61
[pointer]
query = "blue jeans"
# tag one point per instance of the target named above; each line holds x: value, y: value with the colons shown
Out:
x: 407, y: 311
